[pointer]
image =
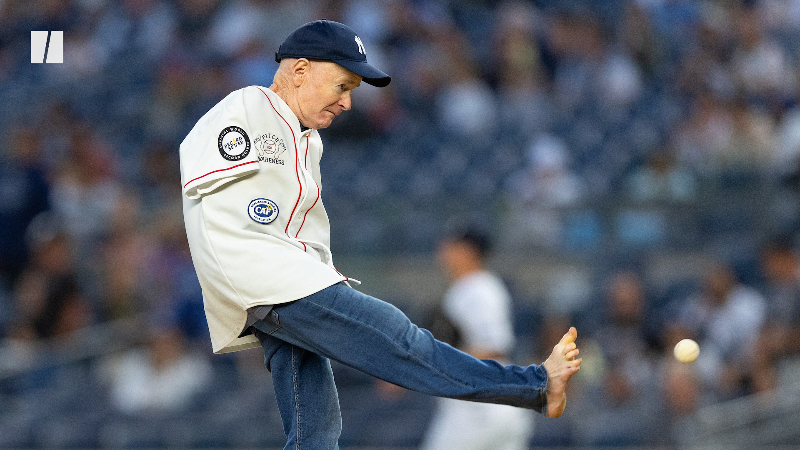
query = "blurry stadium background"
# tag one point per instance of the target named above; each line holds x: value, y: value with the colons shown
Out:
x: 637, y: 163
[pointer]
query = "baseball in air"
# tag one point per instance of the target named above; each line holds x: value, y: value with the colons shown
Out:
x: 686, y: 351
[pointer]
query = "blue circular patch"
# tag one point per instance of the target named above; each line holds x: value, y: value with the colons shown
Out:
x: 263, y: 210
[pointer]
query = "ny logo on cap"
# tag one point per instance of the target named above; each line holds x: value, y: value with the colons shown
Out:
x: 360, y: 46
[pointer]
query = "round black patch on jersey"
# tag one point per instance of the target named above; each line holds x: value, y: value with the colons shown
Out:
x: 233, y: 143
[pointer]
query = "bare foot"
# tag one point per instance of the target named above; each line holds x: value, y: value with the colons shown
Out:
x: 561, y: 365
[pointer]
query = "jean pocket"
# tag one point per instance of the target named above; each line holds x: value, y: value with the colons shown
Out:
x: 274, y: 319
x: 269, y: 324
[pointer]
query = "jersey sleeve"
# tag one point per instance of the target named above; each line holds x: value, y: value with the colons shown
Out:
x: 219, y: 149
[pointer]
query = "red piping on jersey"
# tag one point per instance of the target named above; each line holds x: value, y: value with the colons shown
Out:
x: 296, y: 163
x: 304, y: 215
x: 315, y: 201
x: 296, y: 168
x: 219, y: 170
x: 340, y: 274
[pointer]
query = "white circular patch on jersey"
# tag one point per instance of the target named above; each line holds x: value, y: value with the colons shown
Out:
x: 233, y: 143
x: 263, y: 210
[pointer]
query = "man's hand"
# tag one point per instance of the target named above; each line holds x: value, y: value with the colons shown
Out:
x: 561, y: 365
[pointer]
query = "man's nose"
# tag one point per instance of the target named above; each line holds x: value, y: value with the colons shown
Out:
x: 346, y: 101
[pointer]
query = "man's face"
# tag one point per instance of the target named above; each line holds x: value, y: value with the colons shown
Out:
x: 325, y: 93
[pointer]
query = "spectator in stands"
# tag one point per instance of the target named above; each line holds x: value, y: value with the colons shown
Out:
x: 194, y: 21
x: 590, y: 69
x: 639, y: 38
x: 661, y: 179
x: 705, y: 132
x: 761, y: 66
x: 162, y: 376
x: 49, y: 302
x: 620, y: 403
x: 521, y: 78
x: 24, y: 193
x: 178, y: 85
x: 752, y: 144
x: 124, y: 255
x: 681, y: 395
x: 86, y: 188
x: 787, y: 149
x: 725, y: 318
x: 466, y: 105
x: 677, y: 19
x: 617, y: 411
x: 158, y: 176
x: 621, y: 330
x: 173, y: 282
x: 779, y: 340
x: 540, y: 191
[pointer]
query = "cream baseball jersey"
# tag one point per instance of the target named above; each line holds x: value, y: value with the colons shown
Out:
x: 257, y: 229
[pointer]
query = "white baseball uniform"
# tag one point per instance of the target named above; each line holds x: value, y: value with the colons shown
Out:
x: 479, y: 305
x: 257, y: 229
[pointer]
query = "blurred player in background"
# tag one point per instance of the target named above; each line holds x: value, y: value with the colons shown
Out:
x: 478, y: 305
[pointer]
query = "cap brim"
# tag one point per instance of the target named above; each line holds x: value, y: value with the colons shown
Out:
x: 368, y: 73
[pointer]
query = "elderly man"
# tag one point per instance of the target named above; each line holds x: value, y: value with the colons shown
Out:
x: 259, y: 238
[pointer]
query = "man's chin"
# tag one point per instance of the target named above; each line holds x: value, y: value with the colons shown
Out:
x: 323, y: 124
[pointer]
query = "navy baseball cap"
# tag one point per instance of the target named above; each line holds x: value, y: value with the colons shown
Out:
x: 332, y: 41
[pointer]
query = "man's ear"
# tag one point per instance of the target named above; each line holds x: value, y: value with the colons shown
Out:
x: 300, y: 70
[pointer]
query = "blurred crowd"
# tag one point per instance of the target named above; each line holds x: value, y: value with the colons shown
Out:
x: 600, y: 129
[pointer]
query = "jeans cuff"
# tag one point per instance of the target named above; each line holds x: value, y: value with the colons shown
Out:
x: 543, y: 394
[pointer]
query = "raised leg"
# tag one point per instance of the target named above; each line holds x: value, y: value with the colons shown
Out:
x: 374, y: 337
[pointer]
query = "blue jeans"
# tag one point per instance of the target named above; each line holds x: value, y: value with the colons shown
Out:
x: 376, y: 338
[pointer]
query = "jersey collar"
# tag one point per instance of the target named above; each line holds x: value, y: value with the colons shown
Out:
x: 283, y: 109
